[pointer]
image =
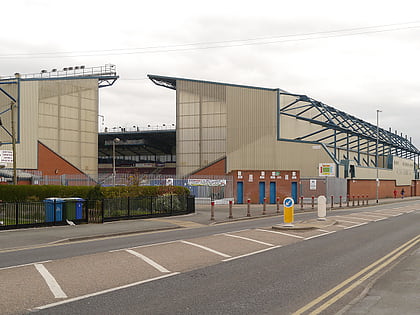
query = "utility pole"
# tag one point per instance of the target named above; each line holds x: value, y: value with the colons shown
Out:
x: 377, y: 155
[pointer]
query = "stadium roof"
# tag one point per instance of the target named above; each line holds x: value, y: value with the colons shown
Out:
x: 329, y: 118
x: 157, y: 142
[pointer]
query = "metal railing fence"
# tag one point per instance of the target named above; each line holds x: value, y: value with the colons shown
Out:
x: 44, y: 213
x: 146, y: 207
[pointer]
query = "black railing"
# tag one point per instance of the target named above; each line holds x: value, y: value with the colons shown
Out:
x: 57, y: 212
x: 146, y: 207
x: 40, y: 213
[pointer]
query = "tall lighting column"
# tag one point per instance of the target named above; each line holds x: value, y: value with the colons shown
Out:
x: 377, y: 155
x: 114, y: 174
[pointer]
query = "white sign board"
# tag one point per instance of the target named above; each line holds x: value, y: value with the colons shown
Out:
x: 6, y: 156
x: 207, y: 182
x: 326, y: 169
x: 312, y: 184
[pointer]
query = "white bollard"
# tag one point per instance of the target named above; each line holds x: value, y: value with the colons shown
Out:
x: 322, y: 208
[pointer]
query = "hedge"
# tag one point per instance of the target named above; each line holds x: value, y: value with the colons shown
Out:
x: 11, y: 193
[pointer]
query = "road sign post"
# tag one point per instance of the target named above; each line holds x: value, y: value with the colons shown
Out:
x: 288, y: 211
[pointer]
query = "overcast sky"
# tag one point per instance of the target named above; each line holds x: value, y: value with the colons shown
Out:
x: 357, y: 56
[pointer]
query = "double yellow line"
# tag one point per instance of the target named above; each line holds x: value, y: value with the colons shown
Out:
x: 333, y: 295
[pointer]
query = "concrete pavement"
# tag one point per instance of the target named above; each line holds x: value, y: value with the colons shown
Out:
x: 397, y: 291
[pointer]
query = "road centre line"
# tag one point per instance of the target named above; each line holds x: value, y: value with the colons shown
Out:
x: 248, y: 239
x: 51, y: 282
x: 82, y: 297
x: 253, y: 253
x: 206, y: 248
x: 282, y: 233
x: 397, y: 252
x: 148, y: 260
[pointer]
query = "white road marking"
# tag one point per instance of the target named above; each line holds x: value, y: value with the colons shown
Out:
x: 25, y: 265
x: 341, y: 220
x: 391, y: 213
x: 248, y: 239
x: 148, y: 260
x: 82, y: 297
x: 355, y: 216
x: 141, y: 246
x: 370, y: 214
x: 282, y: 233
x: 353, y: 226
x: 315, y: 236
x: 206, y: 248
x: 253, y: 253
x: 51, y: 282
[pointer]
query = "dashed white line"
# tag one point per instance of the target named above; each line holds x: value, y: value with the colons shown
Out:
x: 248, y: 239
x: 51, y: 282
x: 148, y: 260
x: 206, y: 248
x: 282, y: 233
x: 253, y: 253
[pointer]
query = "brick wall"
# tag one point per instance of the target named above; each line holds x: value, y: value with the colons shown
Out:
x: 217, y: 168
x: 251, y: 183
x: 386, y: 188
x: 50, y: 163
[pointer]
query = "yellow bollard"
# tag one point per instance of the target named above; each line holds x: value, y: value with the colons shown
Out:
x: 288, y: 211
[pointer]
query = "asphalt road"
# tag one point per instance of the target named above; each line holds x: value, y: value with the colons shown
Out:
x: 282, y: 274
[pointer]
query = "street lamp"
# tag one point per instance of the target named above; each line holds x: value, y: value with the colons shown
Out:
x: 377, y: 155
x: 114, y: 174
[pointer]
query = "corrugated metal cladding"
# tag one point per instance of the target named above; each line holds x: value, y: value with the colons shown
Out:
x: 201, y: 125
x: 216, y: 120
x: 68, y: 111
x: 5, y: 103
x: 26, y: 124
x: 252, y: 125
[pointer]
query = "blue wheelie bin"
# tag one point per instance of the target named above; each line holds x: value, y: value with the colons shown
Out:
x: 53, y: 205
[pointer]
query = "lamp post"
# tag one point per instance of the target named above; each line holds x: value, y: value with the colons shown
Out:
x: 377, y: 155
x: 114, y: 174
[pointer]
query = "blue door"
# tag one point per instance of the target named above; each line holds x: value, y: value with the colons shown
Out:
x: 294, y: 192
x: 239, y: 192
x: 262, y: 192
x: 272, y: 192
